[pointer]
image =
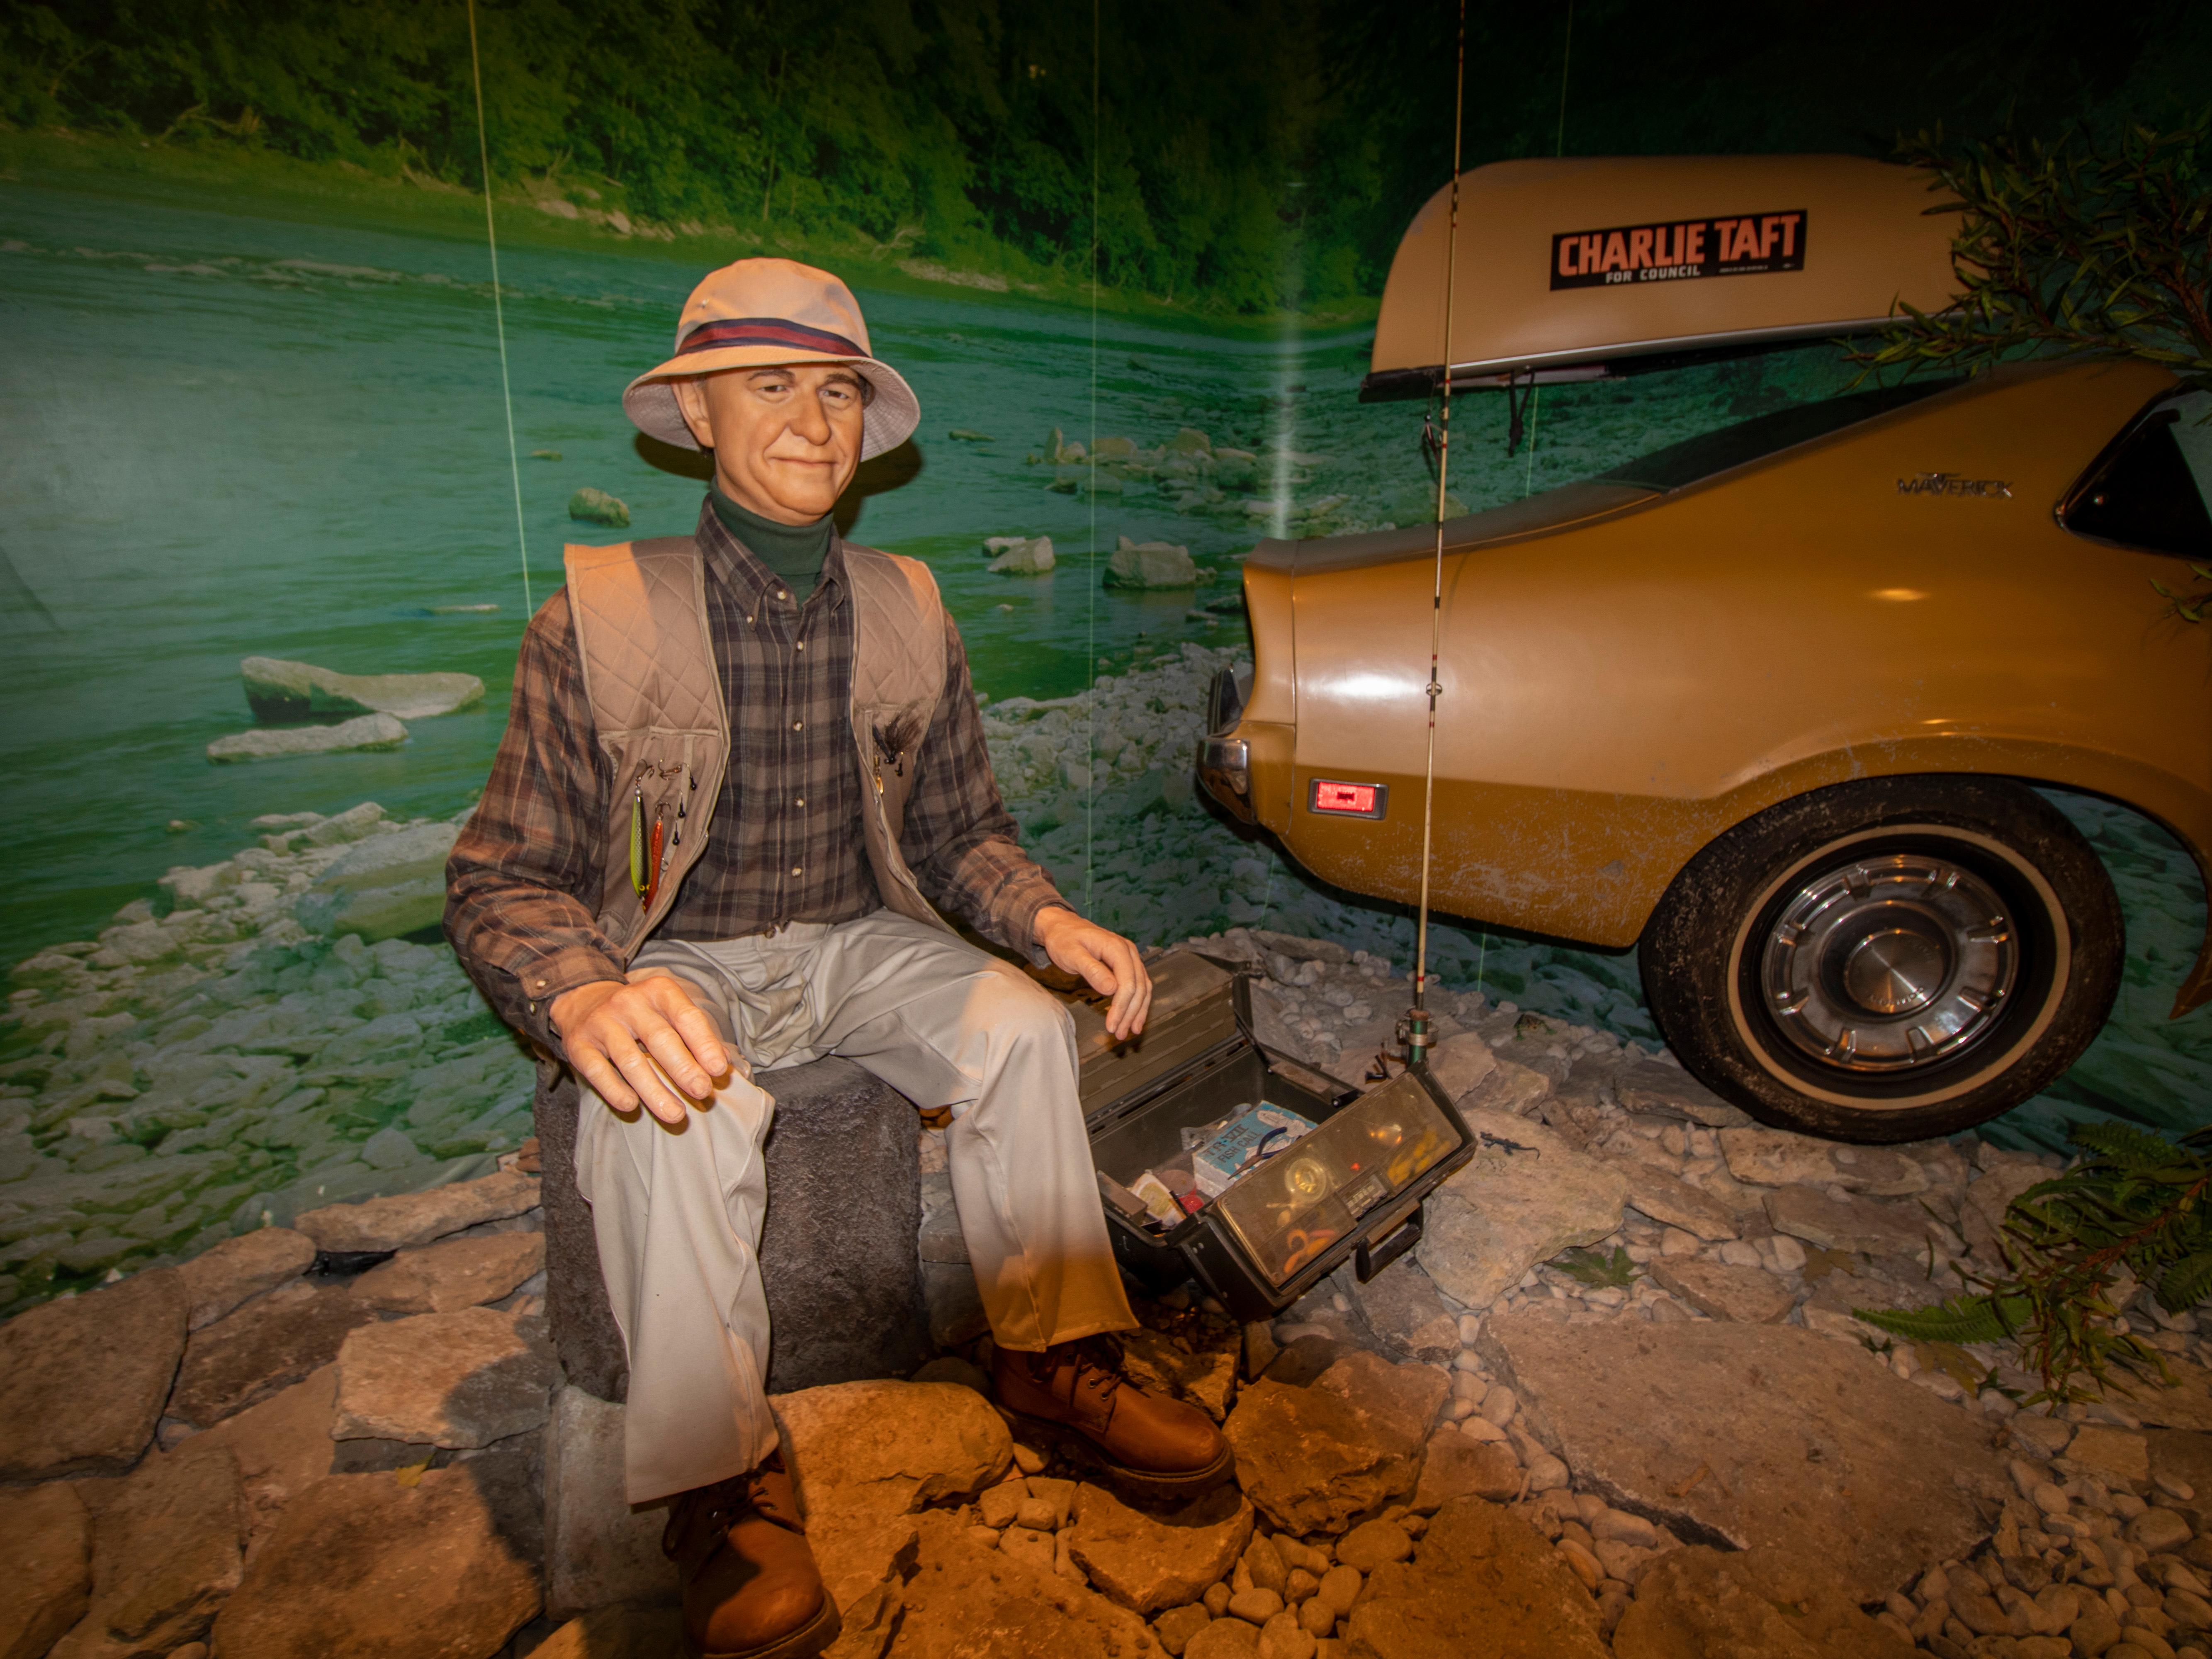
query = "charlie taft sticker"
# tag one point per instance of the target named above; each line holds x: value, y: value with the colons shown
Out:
x: 1745, y: 245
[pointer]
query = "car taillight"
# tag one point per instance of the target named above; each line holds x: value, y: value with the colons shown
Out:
x: 1349, y: 801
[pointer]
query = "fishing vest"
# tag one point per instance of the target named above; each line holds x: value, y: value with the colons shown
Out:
x: 640, y: 613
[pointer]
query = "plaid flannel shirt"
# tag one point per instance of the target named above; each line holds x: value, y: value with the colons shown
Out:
x: 523, y: 882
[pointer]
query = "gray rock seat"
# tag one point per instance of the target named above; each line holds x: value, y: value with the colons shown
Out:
x: 838, y: 1252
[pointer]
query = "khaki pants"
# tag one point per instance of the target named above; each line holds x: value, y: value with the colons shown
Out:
x: 678, y: 1212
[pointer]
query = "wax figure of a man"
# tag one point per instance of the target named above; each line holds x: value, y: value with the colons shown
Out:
x: 742, y: 774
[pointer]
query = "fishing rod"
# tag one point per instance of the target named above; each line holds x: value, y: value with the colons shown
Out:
x: 1417, y: 1039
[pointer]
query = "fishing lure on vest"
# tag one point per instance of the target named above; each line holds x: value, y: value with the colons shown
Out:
x: 646, y: 848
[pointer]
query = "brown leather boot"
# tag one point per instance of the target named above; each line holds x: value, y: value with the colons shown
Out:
x: 750, y: 1588
x: 1159, y: 1446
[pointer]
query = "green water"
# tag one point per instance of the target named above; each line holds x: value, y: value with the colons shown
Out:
x: 229, y: 433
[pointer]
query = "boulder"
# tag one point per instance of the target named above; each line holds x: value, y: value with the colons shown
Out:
x: 1162, y: 1364
x: 1749, y: 1435
x: 1674, y: 1202
x: 965, y: 1600
x: 1020, y: 556
x: 844, y: 1288
x: 219, y: 1278
x: 110, y: 1356
x: 167, y: 1551
x: 382, y: 887
x: 1749, y: 1296
x: 267, y: 1346
x: 844, y: 1284
x: 1481, y: 1582
x: 1313, y: 1458
x: 1644, y: 1085
x: 459, y: 1379
x: 404, y: 1572
x: 282, y: 1446
x: 1525, y: 1196
x: 1459, y: 1062
x: 625, y: 1631
x: 281, y: 691
x: 590, y: 506
x: 889, y: 1447
x: 1775, y: 1157
x: 1148, y: 1560
x: 1510, y: 1089
x: 1150, y: 564
x: 48, y: 1583
x: 2112, y: 1456
x: 453, y: 1273
x: 264, y: 743
x: 1405, y: 1312
x: 1223, y: 1638
x: 1458, y: 1466
x: 2186, y: 1403
x: 1856, y: 1225
x: 1768, y: 1601
x: 599, y: 1551
x: 395, y: 1222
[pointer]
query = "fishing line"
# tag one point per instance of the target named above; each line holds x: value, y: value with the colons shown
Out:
x: 1090, y: 461
x: 499, y: 314
x: 1416, y: 1023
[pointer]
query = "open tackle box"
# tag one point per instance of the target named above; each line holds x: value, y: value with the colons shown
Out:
x: 1352, y: 1187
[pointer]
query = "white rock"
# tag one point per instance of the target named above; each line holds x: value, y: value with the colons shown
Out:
x: 271, y: 743
x: 1018, y: 555
x: 1775, y: 1157
x: 1507, y: 1210
x: 280, y: 690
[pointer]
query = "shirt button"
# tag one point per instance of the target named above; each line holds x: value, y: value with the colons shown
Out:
x: 801, y: 646
x: 798, y: 726
x: 781, y: 594
x: 749, y: 622
x: 794, y: 869
x: 801, y: 801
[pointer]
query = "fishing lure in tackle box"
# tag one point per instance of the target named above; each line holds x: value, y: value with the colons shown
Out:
x: 1353, y: 1188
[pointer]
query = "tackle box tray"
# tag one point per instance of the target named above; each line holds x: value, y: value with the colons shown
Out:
x: 1353, y: 1188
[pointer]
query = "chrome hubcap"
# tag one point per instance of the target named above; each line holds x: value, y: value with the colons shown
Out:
x: 1888, y: 963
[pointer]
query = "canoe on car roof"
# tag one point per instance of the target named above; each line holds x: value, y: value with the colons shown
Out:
x: 1566, y: 268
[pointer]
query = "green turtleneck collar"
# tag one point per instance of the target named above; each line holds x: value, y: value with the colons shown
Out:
x: 795, y: 552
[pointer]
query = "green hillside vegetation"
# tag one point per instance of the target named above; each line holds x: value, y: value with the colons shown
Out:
x: 1248, y: 157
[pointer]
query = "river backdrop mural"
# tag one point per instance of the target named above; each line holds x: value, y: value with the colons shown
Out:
x: 263, y: 399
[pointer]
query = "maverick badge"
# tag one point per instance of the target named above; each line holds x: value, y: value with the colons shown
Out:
x: 1680, y: 250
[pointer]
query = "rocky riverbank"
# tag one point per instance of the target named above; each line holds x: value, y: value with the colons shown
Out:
x: 209, y: 1064
x: 1615, y: 1402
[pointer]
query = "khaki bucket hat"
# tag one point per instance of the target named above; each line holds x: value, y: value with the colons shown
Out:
x: 758, y: 313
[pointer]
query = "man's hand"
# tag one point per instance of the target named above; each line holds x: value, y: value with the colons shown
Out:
x: 1106, y: 961
x: 610, y: 1029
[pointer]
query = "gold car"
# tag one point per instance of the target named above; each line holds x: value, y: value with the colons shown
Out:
x: 1769, y: 703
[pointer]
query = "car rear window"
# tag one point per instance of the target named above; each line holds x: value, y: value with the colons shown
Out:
x: 1681, y: 465
x: 2149, y: 488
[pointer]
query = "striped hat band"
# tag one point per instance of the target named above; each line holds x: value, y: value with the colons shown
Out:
x: 766, y: 331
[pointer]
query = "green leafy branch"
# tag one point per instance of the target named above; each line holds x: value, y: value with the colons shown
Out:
x: 2190, y: 607
x: 2074, y: 245
x: 2133, y: 1204
x: 1596, y: 1269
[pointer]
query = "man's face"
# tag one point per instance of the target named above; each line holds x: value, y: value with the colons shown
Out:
x: 787, y: 440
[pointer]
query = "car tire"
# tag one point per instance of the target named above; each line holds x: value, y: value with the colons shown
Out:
x: 1889, y: 959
